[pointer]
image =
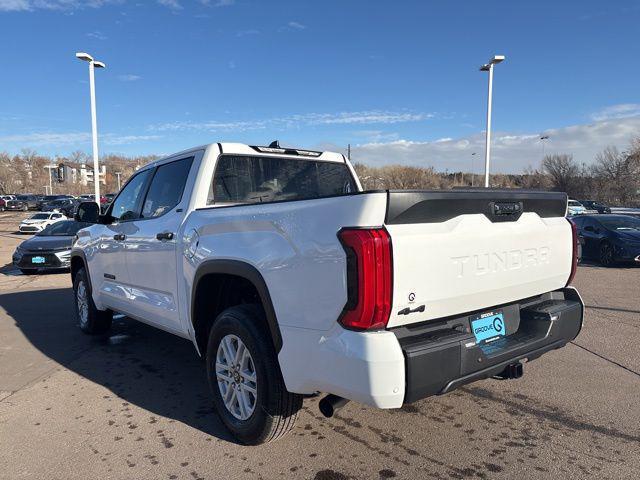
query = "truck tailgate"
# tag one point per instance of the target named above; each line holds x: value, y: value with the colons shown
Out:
x: 464, y: 251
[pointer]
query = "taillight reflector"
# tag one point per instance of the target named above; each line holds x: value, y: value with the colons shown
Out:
x: 369, y: 278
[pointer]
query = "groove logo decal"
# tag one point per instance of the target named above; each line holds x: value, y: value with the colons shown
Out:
x: 488, y: 325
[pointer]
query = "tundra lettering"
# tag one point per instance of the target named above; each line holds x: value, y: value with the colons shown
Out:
x: 484, y: 263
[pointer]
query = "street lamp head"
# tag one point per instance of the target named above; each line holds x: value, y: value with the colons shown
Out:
x: 99, y: 65
x: 494, y: 61
x: 544, y: 137
x: 84, y: 56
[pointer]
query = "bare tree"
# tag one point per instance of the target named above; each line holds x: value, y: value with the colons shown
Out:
x: 562, y: 170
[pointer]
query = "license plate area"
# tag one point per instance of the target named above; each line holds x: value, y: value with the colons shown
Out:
x: 38, y: 260
x: 488, y: 326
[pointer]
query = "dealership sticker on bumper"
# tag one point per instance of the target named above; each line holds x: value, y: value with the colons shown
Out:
x: 488, y: 325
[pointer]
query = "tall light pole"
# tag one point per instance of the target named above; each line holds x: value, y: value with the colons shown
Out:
x: 543, y: 139
x: 94, y: 123
x: 472, y: 170
x: 488, y: 67
x: 50, y: 167
x: 118, y: 177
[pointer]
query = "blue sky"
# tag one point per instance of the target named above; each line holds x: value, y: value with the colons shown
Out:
x: 398, y: 80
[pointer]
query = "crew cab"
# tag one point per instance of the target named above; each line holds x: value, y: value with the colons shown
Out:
x: 291, y: 281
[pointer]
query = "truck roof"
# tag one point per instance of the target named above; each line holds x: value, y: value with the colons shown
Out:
x: 243, y: 149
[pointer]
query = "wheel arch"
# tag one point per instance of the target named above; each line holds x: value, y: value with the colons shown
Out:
x: 220, y: 275
x: 78, y: 261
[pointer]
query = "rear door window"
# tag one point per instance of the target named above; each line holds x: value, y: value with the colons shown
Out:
x: 167, y: 186
x: 248, y: 179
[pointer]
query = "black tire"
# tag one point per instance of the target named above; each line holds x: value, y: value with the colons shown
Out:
x: 606, y: 254
x: 28, y: 271
x: 94, y: 321
x: 276, y: 410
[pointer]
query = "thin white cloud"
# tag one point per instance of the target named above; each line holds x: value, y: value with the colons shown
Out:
x: 129, y: 77
x: 31, y: 5
x: 292, y: 121
x: 296, y: 25
x: 172, y: 4
x: 55, y: 139
x: 622, y: 110
x: 98, y: 35
x: 510, y: 152
x: 218, y: 3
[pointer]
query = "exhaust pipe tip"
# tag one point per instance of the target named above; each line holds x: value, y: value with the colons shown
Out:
x: 330, y: 404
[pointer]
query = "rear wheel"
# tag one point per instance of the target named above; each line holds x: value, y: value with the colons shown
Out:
x: 25, y: 208
x: 606, y: 254
x: 245, y: 379
x: 91, y: 320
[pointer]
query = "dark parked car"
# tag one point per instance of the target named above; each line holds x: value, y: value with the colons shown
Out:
x: 609, y: 238
x: 67, y: 206
x: 49, y: 249
x: 50, y: 198
x: 22, y: 202
x: 597, y: 206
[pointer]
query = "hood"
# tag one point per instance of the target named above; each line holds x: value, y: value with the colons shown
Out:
x: 29, y: 221
x: 46, y: 243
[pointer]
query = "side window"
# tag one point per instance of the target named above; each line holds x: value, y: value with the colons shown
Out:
x: 167, y: 186
x: 125, y: 205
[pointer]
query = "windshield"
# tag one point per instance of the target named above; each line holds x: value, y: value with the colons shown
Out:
x: 22, y: 197
x: 65, y: 228
x: 40, y: 216
x: 621, y: 223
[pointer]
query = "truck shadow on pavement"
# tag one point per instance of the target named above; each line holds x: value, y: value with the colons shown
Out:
x: 146, y: 367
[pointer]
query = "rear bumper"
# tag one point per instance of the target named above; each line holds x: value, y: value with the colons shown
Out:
x: 386, y: 369
x: 441, y: 360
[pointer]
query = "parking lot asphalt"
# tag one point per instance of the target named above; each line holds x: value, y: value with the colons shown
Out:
x: 136, y: 405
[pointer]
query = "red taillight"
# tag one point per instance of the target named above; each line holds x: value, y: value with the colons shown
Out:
x: 369, y: 278
x: 574, y: 260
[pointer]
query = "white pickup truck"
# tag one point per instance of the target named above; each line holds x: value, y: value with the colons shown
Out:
x: 290, y: 280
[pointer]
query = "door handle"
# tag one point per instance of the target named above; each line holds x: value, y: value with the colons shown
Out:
x: 119, y: 237
x: 165, y: 236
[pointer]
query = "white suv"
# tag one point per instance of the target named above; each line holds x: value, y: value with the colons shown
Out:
x: 37, y: 222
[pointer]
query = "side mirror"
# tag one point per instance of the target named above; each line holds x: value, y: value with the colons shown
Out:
x: 87, y: 212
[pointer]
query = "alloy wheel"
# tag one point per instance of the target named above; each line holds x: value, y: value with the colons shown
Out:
x: 82, y: 303
x: 236, y: 377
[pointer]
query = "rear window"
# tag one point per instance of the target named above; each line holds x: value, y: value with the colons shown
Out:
x: 248, y: 179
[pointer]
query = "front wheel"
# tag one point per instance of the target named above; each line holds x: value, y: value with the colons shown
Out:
x: 606, y: 254
x: 91, y: 320
x: 245, y: 379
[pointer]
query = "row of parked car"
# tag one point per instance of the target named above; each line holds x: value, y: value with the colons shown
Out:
x: 66, y: 204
